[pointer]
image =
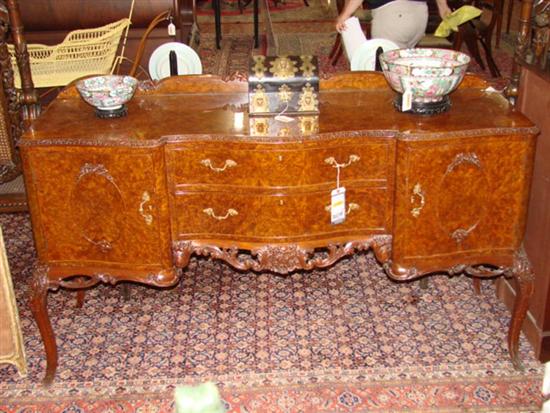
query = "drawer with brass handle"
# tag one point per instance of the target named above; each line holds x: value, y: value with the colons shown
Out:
x: 268, y: 166
x: 291, y: 216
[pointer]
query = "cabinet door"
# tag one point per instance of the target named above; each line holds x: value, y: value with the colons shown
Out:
x: 460, y: 200
x: 95, y: 205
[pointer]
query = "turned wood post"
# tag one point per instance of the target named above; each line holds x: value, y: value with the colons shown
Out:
x: 28, y: 96
x: 522, y: 42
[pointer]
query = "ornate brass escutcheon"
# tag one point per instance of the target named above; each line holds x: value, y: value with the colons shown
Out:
x: 417, y: 192
x: 145, y: 197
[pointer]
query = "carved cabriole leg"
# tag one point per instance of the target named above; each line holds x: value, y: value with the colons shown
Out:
x: 39, y: 301
x: 521, y: 271
x: 41, y: 284
x: 525, y: 281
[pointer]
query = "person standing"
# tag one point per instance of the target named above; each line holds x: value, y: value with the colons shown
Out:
x: 401, y: 21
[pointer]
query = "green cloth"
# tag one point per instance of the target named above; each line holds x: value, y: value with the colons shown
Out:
x: 455, y: 19
x: 204, y: 398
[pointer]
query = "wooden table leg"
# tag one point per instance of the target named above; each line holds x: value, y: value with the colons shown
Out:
x: 217, y: 22
x: 39, y: 307
x: 256, y: 26
x: 525, y: 280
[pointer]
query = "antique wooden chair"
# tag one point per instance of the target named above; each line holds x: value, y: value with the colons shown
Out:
x: 16, y: 107
x: 480, y: 32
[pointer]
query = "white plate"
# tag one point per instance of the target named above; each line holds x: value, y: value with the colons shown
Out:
x: 188, y: 60
x: 364, y: 57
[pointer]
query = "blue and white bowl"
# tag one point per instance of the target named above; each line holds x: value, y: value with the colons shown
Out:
x: 107, y: 92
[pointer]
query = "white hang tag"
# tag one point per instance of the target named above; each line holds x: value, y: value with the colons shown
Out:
x: 406, y: 100
x: 338, y: 205
x: 171, y: 29
x: 284, y: 118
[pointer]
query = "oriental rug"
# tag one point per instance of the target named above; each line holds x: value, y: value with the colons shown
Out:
x: 345, y: 339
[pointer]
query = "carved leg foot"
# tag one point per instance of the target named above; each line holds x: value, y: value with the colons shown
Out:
x: 523, y: 274
x: 38, y: 303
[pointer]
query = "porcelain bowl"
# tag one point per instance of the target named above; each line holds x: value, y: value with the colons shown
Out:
x: 430, y: 74
x: 107, y: 92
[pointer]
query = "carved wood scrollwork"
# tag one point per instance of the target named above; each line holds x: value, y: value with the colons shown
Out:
x: 98, y: 169
x: 281, y: 259
x: 482, y: 271
x: 94, y: 184
x: 468, y: 186
x: 462, y: 158
x: 41, y: 282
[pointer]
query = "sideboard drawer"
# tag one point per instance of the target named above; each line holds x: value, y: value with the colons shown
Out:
x: 270, y: 166
x: 276, y: 217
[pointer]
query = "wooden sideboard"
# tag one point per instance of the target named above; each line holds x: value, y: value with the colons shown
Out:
x: 132, y: 199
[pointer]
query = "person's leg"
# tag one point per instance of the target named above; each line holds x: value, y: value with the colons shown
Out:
x: 401, y: 21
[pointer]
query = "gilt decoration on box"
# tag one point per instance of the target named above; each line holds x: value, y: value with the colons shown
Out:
x: 283, y: 84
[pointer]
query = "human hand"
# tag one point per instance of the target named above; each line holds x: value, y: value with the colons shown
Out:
x: 443, y: 8
x: 340, y: 24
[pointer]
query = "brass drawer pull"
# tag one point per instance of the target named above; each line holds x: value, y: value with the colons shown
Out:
x: 332, y: 161
x: 210, y: 212
x: 229, y: 163
x: 351, y: 207
x: 417, y: 191
x: 145, y: 197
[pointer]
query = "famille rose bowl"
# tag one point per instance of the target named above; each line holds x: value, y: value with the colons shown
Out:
x: 427, y: 74
x: 107, y: 93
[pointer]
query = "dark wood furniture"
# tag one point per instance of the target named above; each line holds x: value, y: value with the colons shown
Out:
x: 530, y: 88
x: 16, y: 107
x: 132, y: 199
x: 216, y: 5
x: 479, y: 32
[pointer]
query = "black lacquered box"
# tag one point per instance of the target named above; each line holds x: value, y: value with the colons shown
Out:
x: 283, y: 84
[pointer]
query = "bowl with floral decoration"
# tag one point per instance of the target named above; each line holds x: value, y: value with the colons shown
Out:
x: 424, y: 77
x: 107, y: 93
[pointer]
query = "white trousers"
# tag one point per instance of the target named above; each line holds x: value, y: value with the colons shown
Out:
x: 401, y: 21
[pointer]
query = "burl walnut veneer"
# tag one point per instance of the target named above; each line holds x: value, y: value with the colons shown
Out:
x: 131, y: 199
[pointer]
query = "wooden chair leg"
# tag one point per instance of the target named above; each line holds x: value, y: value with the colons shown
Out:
x: 80, y: 295
x: 336, y: 51
x: 510, y: 11
x: 471, y: 40
x: 477, y: 285
x: 423, y: 283
x: 499, y: 25
x: 125, y: 288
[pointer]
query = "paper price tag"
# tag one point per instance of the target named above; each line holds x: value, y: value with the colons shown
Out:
x: 171, y: 29
x: 338, y: 205
x: 406, y: 101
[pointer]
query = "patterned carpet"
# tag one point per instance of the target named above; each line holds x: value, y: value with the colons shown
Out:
x: 347, y: 339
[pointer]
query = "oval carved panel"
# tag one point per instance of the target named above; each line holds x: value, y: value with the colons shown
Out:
x: 97, y: 206
x: 462, y: 196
